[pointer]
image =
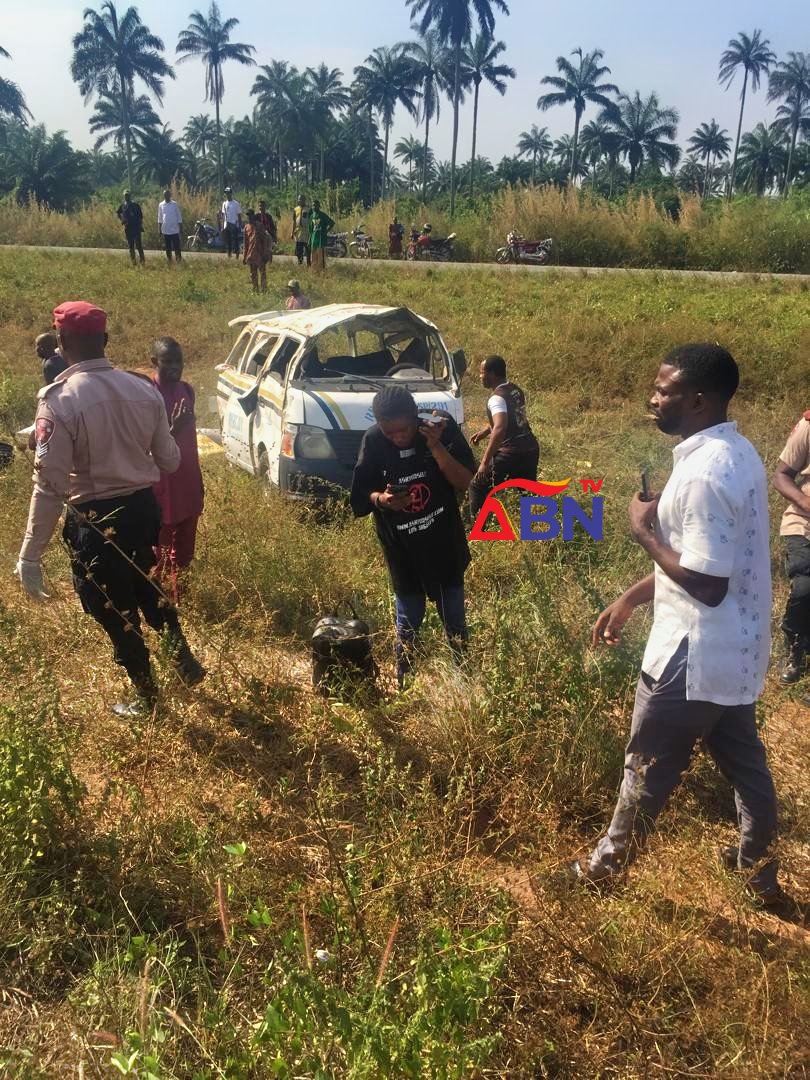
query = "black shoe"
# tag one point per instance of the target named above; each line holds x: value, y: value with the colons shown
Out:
x: 793, y: 667
x: 577, y: 874
x: 189, y: 668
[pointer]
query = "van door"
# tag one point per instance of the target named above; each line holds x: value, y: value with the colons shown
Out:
x: 229, y: 388
x: 269, y: 418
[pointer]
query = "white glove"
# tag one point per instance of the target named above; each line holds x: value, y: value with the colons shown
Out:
x: 30, y: 574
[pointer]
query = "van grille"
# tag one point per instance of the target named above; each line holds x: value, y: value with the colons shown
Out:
x: 346, y: 445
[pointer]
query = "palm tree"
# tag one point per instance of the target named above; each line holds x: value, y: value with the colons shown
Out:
x: 330, y: 97
x: 410, y: 151
x: 753, y: 55
x: 158, y: 157
x: 535, y: 143
x: 46, y: 168
x: 645, y: 131
x: 577, y: 84
x: 110, y: 54
x: 479, y: 64
x: 763, y: 157
x: 431, y: 63
x: 12, y: 101
x: 710, y: 142
x: 108, y: 119
x: 790, y: 80
x: 453, y: 19
x: 279, y: 88
x: 209, y: 40
x: 384, y: 80
x: 199, y: 133
x: 599, y: 142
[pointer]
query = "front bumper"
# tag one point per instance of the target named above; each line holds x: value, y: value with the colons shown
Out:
x: 305, y: 480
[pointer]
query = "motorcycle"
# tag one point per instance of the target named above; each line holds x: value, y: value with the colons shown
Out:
x: 207, y: 237
x: 336, y: 245
x: 437, y: 248
x: 518, y: 250
x: 362, y: 246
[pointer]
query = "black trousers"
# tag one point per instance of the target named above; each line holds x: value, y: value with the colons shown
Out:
x: 172, y: 244
x: 303, y: 251
x: 232, y: 239
x: 134, y: 241
x: 796, y: 620
x: 521, y: 466
x: 112, y: 544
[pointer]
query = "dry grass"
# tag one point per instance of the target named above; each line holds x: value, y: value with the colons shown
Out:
x: 421, y: 837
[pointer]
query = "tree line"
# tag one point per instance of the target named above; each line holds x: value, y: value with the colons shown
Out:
x: 309, y: 126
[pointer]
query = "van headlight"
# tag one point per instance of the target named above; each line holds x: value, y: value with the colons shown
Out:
x: 312, y: 443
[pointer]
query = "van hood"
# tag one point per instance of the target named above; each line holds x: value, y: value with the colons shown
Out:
x: 343, y: 410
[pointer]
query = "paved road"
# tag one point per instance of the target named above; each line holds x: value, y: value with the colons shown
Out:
x: 719, y: 276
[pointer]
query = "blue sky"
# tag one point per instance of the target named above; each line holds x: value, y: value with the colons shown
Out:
x: 671, y: 48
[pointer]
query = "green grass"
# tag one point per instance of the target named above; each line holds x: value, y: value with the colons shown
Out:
x: 167, y: 886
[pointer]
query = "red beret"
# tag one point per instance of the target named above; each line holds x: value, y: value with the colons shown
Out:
x: 79, y: 317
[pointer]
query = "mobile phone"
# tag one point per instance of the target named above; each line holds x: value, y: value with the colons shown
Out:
x: 645, y: 485
x: 400, y: 489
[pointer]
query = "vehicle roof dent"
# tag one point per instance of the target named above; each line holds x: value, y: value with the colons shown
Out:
x: 313, y: 321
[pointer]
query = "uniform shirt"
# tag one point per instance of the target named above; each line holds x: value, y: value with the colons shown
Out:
x: 169, y: 218
x: 796, y: 455
x: 180, y: 493
x: 131, y: 216
x: 713, y: 511
x: 231, y: 211
x: 508, y: 398
x: 100, y: 433
x: 425, y: 546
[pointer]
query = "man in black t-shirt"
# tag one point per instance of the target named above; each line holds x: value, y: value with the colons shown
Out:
x: 408, y: 474
x: 131, y: 217
x: 513, y: 452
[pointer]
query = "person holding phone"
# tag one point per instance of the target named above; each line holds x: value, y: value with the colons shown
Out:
x: 707, y: 654
x: 409, y: 474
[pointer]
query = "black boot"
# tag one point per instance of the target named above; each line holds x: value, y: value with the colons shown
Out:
x: 187, y: 666
x: 793, y: 668
x: 144, y: 698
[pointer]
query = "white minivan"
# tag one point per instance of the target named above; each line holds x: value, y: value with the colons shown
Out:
x: 294, y: 395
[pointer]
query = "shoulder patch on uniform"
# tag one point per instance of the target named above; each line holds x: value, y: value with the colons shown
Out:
x: 43, y: 430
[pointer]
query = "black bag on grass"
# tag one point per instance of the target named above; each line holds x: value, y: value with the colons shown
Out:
x: 341, y: 653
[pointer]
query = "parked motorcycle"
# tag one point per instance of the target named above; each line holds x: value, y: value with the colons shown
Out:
x: 362, y: 245
x: 430, y: 248
x: 336, y: 245
x: 518, y: 250
x: 207, y: 237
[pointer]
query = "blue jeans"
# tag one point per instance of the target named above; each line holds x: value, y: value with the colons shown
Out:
x: 410, y: 611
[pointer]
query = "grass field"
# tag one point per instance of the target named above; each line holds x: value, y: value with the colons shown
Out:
x: 254, y: 882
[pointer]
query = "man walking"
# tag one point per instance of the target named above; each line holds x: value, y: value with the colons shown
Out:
x: 512, y: 451
x: 409, y: 474
x: 230, y: 218
x: 102, y: 437
x: 300, y: 231
x: 169, y: 222
x: 792, y: 480
x: 707, y: 653
x: 131, y: 217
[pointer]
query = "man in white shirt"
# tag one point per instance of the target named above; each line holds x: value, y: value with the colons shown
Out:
x: 169, y: 222
x: 707, y: 653
x: 230, y: 219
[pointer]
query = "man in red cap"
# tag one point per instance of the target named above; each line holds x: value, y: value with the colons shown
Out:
x: 102, y: 437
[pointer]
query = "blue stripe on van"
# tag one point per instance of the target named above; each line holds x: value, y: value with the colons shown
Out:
x: 329, y: 414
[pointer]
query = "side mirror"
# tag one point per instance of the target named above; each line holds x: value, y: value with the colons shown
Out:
x: 459, y: 362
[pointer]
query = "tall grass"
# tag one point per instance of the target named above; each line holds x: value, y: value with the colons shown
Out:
x: 747, y: 234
